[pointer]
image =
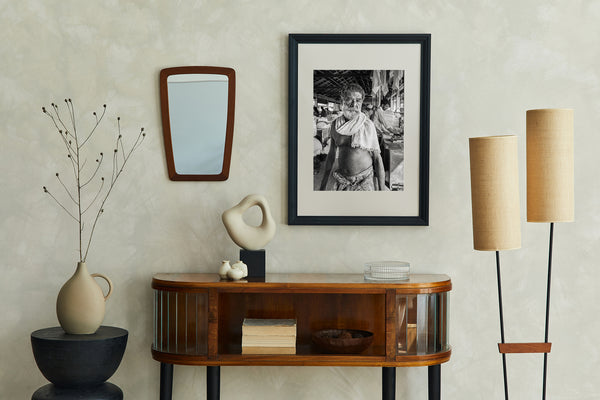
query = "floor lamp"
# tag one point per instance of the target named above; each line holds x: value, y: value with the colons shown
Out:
x: 550, y: 186
x: 495, y: 199
x: 495, y: 204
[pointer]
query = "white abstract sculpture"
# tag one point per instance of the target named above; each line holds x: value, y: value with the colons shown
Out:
x: 246, y: 236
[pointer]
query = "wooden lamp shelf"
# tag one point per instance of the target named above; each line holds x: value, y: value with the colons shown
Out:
x: 505, y: 348
x: 198, y: 320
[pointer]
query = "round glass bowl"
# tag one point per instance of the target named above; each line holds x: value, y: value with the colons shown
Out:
x: 387, y: 271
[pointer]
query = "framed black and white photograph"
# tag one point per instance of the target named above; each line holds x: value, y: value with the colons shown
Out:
x: 359, y: 129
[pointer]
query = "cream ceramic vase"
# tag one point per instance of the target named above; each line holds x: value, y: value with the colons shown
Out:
x: 246, y: 236
x: 224, y: 268
x: 80, y: 305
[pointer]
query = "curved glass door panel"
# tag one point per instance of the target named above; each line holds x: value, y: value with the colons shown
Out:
x: 422, y: 323
x: 180, y: 322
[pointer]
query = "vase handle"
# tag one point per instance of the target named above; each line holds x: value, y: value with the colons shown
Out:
x: 107, y: 281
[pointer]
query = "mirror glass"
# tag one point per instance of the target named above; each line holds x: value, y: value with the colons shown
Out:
x: 197, y: 111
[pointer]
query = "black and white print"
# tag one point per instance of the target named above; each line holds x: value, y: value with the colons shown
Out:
x: 349, y: 108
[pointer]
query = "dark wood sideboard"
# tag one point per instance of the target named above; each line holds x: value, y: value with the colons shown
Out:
x: 198, y: 320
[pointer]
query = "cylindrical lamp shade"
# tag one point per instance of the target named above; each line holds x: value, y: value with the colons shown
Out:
x: 550, y: 165
x: 495, y: 192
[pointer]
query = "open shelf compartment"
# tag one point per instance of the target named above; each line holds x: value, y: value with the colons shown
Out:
x: 312, y: 312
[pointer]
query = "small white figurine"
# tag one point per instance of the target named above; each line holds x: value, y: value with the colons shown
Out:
x: 235, y: 274
x: 238, y: 271
x: 241, y: 266
x: 225, y: 267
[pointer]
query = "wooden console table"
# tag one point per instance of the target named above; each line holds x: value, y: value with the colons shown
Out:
x: 198, y: 321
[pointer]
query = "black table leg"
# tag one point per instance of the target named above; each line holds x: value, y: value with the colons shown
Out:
x: 388, y: 383
x: 166, y: 381
x: 434, y: 381
x: 213, y: 383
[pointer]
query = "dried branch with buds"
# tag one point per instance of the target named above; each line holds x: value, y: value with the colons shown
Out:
x: 74, y: 144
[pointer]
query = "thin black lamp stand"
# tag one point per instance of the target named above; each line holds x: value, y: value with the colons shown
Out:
x: 501, y: 323
x: 548, y: 306
x: 550, y: 183
x: 533, y: 348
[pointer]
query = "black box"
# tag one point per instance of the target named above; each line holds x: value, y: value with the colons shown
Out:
x: 255, y: 260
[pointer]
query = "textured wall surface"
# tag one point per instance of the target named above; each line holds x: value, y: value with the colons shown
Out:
x: 491, y: 61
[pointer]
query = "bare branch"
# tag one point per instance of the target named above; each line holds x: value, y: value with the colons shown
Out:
x: 99, y: 163
x: 68, y: 144
x: 73, y: 165
x: 96, y: 197
x: 65, y: 140
x: 67, y: 132
x: 66, y: 190
x: 58, y: 202
x: 113, y: 177
x: 120, y: 138
x: 98, y: 120
x: 71, y: 109
x: 52, y: 118
x: 100, y: 211
x: 83, y: 165
x: 138, y: 141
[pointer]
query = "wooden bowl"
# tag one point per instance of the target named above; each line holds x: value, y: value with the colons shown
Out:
x: 346, y: 341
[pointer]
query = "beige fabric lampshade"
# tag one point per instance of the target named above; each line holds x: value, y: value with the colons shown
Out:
x: 495, y: 192
x: 550, y: 165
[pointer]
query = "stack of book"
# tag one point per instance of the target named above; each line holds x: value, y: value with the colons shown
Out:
x: 268, y: 336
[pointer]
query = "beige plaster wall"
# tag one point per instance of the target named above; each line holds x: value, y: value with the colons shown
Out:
x: 491, y: 61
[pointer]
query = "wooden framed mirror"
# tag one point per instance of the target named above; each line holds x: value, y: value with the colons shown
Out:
x: 197, y: 106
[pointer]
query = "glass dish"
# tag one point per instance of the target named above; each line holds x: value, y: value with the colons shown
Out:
x: 387, y: 271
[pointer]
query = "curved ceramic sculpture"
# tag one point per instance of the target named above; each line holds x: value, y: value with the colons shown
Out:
x: 247, y: 236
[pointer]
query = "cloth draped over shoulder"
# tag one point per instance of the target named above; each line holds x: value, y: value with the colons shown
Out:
x: 362, y: 130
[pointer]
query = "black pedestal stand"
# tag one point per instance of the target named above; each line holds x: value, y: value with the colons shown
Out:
x: 256, y: 262
x: 104, y: 391
x: 78, y: 365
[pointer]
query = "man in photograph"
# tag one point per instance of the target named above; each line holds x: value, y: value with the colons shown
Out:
x: 354, y: 138
x: 380, y: 120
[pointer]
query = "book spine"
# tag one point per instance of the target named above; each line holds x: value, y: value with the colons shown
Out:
x: 269, y: 331
x: 268, y: 350
x: 291, y: 341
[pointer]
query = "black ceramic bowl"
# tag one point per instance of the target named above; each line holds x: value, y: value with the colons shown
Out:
x: 78, y: 360
x: 345, y: 341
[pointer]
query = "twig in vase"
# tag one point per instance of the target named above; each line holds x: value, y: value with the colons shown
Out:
x: 71, y: 140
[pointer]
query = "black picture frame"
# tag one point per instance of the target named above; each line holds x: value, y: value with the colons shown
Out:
x: 402, y: 46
